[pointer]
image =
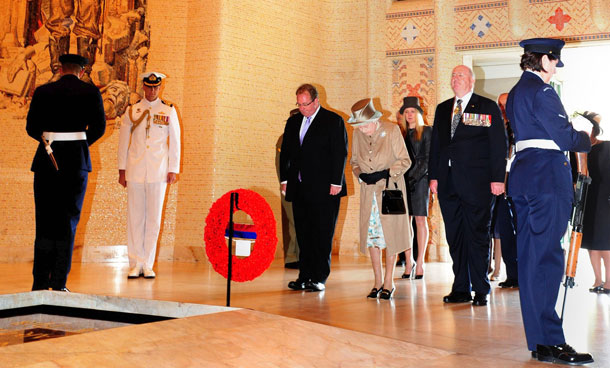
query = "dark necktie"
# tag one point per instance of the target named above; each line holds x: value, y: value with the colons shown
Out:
x: 457, y: 116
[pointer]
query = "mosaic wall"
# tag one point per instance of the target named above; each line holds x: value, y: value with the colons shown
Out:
x: 419, y: 34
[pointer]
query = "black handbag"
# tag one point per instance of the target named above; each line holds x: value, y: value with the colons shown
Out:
x: 392, y: 201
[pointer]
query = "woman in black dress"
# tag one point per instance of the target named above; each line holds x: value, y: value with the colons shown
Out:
x: 596, y: 232
x: 417, y: 139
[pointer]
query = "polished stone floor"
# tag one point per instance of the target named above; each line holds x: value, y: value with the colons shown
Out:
x: 283, y: 328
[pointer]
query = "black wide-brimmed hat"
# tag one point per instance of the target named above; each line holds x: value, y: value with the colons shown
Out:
x: 73, y: 59
x: 547, y: 46
x: 411, y: 101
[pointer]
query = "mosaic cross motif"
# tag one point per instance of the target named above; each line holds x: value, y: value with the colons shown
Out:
x: 559, y: 19
x: 409, y: 33
x: 480, y: 26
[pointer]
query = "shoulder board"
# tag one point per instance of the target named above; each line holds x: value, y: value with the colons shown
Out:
x: 167, y: 103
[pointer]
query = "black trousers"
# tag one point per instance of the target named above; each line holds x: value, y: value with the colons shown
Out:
x: 58, y: 197
x: 467, y: 229
x: 506, y: 225
x: 315, y: 227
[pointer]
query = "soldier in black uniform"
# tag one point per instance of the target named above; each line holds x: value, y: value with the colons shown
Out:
x: 69, y: 114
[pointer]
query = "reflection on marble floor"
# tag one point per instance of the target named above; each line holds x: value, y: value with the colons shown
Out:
x: 36, y: 327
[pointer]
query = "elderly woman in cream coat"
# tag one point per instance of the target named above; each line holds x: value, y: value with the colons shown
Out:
x: 379, y: 152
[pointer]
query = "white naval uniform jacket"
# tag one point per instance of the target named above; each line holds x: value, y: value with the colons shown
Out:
x: 147, y: 157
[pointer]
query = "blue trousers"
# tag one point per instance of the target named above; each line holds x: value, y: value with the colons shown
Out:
x: 542, y: 220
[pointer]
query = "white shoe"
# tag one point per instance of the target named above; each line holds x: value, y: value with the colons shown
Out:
x: 149, y: 273
x: 134, y: 272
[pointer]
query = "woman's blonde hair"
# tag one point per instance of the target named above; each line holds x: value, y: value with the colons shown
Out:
x: 419, y: 125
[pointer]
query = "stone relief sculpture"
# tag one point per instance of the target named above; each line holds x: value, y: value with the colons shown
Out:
x: 112, y: 34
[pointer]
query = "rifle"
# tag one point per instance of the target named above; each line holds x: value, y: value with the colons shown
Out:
x: 578, y: 212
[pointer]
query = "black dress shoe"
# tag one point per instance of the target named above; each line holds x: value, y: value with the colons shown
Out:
x: 386, y: 294
x: 374, y: 292
x: 64, y: 289
x: 597, y: 289
x: 562, y: 354
x: 480, y: 300
x: 292, y: 265
x: 297, y: 284
x: 456, y: 297
x: 509, y: 283
x: 314, y: 286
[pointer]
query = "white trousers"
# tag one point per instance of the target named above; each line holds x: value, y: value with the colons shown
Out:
x: 144, y: 208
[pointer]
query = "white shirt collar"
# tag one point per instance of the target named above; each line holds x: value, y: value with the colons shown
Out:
x: 152, y: 103
x: 313, y: 116
x: 465, y: 99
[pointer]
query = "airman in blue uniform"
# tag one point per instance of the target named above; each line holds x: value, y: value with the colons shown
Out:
x: 541, y: 187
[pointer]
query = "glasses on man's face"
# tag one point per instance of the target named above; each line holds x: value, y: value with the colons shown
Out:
x: 305, y: 104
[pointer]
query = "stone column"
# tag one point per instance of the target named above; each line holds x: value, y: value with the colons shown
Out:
x: 446, y: 58
x: 518, y: 17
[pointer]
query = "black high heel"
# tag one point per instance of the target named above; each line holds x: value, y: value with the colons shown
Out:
x: 419, y: 277
x: 597, y: 289
x: 386, y: 294
x: 408, y: 275
x: 375, y: 292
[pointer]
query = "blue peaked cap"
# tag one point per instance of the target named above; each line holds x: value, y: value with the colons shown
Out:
x: 547, y: 46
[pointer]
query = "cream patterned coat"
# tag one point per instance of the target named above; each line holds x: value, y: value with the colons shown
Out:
x: 384, y: 149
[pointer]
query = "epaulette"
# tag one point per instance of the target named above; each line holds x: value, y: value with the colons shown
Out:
x: 167, y: 103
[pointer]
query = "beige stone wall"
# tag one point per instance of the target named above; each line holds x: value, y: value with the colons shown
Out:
x: 233, y: 67
x: 232, y: 71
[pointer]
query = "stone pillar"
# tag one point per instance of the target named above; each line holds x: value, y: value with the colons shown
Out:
x: 599, y: 13
x: 446, y: 59
x: 518, y: 17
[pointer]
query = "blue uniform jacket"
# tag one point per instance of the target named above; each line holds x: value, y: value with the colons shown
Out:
x: 535, y: 112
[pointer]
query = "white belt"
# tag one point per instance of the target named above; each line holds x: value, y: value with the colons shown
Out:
x: 68, y: 136
x: 536, y: 143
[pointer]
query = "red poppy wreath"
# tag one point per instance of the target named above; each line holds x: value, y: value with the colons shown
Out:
x: 263, y: 251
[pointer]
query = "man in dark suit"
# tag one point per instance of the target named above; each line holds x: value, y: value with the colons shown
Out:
x: 466, y: 168
x: 312, y: 165
x: 65, y: 117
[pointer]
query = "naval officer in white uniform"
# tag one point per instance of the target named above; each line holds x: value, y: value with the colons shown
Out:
x: 149, y: 159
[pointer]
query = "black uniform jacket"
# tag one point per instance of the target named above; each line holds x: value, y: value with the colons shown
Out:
x: 67, y: 105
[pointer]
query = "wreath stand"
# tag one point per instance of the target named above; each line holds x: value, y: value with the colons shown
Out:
x: 220, y: 226
x: 234, y: 204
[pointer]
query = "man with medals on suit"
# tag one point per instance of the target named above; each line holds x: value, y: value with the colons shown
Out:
x: 312, y: 176
x: 149, y: 159
x: 540, y: 185
x: 466, y: 168
x: 66, y: 117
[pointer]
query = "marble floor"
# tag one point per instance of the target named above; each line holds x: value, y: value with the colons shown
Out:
x: 277, y: 327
